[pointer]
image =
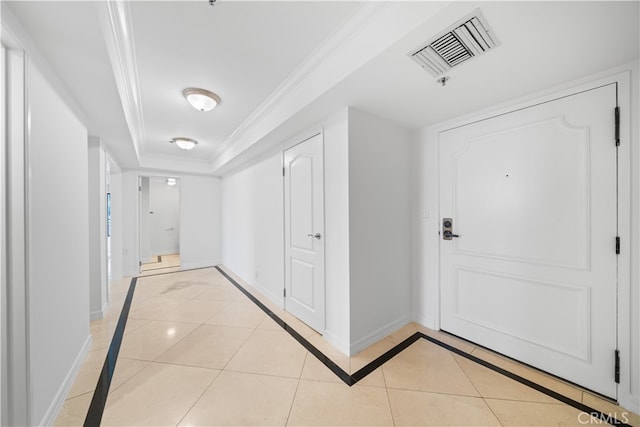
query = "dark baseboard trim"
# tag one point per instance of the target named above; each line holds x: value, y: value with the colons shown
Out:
x: 99, y: 400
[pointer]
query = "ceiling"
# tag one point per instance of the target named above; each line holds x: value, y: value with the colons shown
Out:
x: 280, y: 66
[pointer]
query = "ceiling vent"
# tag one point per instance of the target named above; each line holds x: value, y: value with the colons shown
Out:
x: 470, y: 37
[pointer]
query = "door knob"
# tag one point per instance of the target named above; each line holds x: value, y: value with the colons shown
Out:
x: 448, y: 234
x: 317, y: 235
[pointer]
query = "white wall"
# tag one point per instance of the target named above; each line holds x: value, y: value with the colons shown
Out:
x: 366, y: 189
x: 336, y: 230
x: 379, y: 228
x: 164, y: 226
x: 97, y: 166
x: 200, y: 219
x: 252, y: 224
x: 425, y: 227
x: 58, y: 246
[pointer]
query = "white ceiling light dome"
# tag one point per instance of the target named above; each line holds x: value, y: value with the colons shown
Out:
x: 201, y: 99
x: 184, y: 143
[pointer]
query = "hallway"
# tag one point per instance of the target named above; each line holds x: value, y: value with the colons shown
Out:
x: 197, y: 351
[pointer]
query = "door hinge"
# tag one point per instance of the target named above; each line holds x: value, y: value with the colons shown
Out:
x: 617, y: 131
x: 284, y: 292
x: 616, y: 372
x: 139, y: 187
x: 283, y: 171
x: 617, y: 245
x: 139, y: 263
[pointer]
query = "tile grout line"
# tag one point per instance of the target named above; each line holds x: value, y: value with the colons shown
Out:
x: 200, y: 396
x: 484, y: 400
x: 386, y: 389
x: 295, y: 393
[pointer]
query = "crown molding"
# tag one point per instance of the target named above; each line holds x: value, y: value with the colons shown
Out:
x: 115, y: 19
x: 15, y: 36
x: 370, y: 31
x: 356, y: 23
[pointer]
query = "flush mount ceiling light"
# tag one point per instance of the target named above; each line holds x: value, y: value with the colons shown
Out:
x: 184, y: 143
x: 201, y: 99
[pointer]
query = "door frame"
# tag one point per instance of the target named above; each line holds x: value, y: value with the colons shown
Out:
x: 15, y: 395
x: 622, y: 77
x: 138, y: 207
x: 292, y: 142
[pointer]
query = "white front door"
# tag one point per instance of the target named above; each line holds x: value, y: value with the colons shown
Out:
x: 304, y: 232
x: 532, y: 196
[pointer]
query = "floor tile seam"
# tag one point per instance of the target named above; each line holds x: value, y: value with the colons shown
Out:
x: 184, y: 365
x: 464, y: 371
x: 261, y: 374
x: 240, y: 371
x: 295, y: 393
x: 439, y: 393
x: 386, y: 390
x: 195, y: 402
x: 147, y: 363
x: 504, y: 399
x: 239, y: 347
x: 80, y: 395
x: 493, y: 412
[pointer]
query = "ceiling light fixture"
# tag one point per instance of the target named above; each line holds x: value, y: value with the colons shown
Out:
x: 184, y: 143
x: 201, y: 99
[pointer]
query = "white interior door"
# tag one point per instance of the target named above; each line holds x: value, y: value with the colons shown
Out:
x: 304, y: 232
x: 533, y: 197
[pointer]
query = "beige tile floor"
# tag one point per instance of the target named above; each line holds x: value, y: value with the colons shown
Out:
x: 197, y: 352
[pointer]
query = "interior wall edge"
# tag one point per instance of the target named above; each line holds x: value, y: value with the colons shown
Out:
x: 380, y: 333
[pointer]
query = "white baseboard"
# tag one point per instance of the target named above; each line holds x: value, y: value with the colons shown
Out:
x: 425, y: 321
x: 50, y: 416
x: 273, y: 297
x: 335, y: 341
x: 378, y: 334
x: 99, y: 314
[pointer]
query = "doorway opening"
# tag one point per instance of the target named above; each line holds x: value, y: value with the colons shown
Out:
x: 159, y: 224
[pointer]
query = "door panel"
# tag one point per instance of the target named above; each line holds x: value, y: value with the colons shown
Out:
x: 304, y: 232
x: 520, y: 168
x: 533, y: 198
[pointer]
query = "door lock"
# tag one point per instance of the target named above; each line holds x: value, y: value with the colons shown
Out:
x: 316, y: 236
x: 447, y: 229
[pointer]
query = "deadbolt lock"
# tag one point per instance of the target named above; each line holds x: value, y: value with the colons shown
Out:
x: 447, y: 229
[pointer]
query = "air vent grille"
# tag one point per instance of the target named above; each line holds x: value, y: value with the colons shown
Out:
x: 463, y: 41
